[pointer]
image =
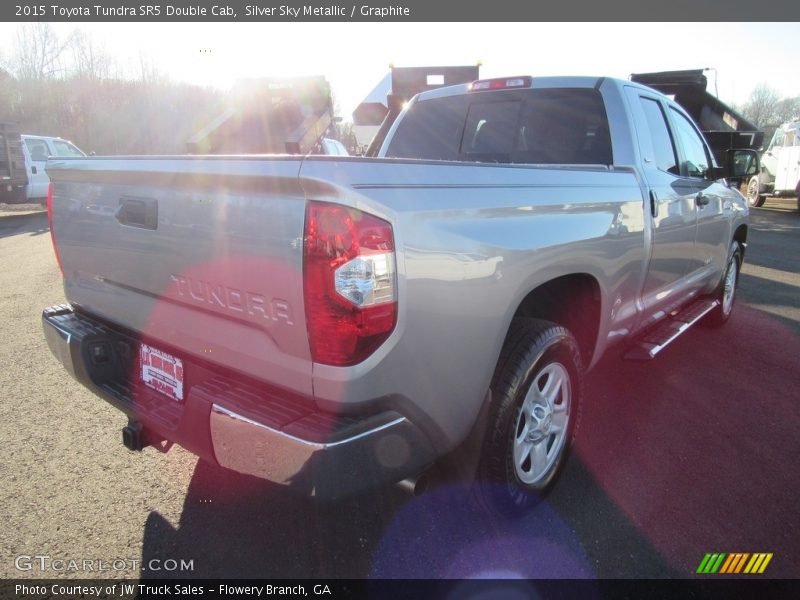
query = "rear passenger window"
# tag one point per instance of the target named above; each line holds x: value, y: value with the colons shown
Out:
x: 663, y: 148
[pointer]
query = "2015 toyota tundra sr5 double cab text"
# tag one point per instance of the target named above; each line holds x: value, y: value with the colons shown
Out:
x: 334, y: 323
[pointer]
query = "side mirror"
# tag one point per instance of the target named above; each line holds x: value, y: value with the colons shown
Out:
x: 741, y: 164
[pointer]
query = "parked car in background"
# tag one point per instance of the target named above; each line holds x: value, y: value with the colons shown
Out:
x: 37, y: 148
x: 333, y: 147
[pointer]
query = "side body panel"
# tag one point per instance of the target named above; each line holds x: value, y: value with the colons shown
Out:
x: 692, y: 218
x: 472, y: 242
x: 220, y: 277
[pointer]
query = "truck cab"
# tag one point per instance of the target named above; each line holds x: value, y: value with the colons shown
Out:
x: 37, y: 149
x: 780, y: 167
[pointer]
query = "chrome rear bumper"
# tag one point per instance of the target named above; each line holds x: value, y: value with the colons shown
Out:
x: 386, y: 452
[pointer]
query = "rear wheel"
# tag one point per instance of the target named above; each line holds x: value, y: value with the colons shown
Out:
x: 726, y: 292
x: 754, y: 197
x: 797, y: 193
x: 536, y: 393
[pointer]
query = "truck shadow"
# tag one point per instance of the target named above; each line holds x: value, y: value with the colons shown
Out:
x: 694, y: 445
x: 781, y: 300
x: 669, y: 464
x: 235, y: 526
x: 35, y: 224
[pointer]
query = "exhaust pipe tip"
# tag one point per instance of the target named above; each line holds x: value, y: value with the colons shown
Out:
x: 415, y: 486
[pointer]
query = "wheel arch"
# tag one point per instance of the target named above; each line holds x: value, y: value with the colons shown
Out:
x: 573, y: 301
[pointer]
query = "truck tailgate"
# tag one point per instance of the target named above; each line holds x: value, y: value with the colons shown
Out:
x: 197, y: 253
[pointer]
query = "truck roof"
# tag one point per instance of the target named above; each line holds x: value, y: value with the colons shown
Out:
x: 538, y: 83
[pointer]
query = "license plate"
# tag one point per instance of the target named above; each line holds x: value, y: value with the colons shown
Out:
x: 161, y: 371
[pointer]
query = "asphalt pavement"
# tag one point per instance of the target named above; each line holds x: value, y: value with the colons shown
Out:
x: 691, y: 453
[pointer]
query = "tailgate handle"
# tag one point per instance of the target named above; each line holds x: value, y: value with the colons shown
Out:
x: 138, y: 212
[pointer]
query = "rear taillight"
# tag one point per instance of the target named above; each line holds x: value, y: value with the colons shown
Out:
x: 50, y: 221
x: 349, y: 283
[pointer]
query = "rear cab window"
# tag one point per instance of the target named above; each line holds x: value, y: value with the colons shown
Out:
x: 544, y: 126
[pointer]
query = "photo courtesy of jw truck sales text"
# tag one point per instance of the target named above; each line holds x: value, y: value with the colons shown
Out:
x: 552, y: 218
x: 143, y: 590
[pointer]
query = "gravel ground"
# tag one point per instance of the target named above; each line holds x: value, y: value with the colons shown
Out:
x: 69, y: 489
x: 692, y: 453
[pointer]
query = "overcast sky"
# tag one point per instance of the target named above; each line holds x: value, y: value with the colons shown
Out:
x: 354, y: 56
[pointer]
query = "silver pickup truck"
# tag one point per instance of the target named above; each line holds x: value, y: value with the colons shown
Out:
x: 334, y: 323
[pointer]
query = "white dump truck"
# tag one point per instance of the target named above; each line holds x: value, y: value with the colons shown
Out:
x: 780, y: 167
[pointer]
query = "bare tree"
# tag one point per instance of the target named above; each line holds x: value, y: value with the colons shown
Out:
x: 149, y: 72
x: 788, y: 109
x: 89, y: 59
x: 760, y: 108
x: 7, y: 89
x: 37, y: 52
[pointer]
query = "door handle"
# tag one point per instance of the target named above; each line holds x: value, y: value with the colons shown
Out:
x: 701, y: 199
x: 33, y: 171
x: 653, y: 203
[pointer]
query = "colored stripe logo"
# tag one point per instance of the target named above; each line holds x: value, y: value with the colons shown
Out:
x: 731, y: 564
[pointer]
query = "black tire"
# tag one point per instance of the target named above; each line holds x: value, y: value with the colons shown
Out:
x: 754, y: 197
x: 797, y: 193
x: 533, y: 351
x: 720, y: 315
